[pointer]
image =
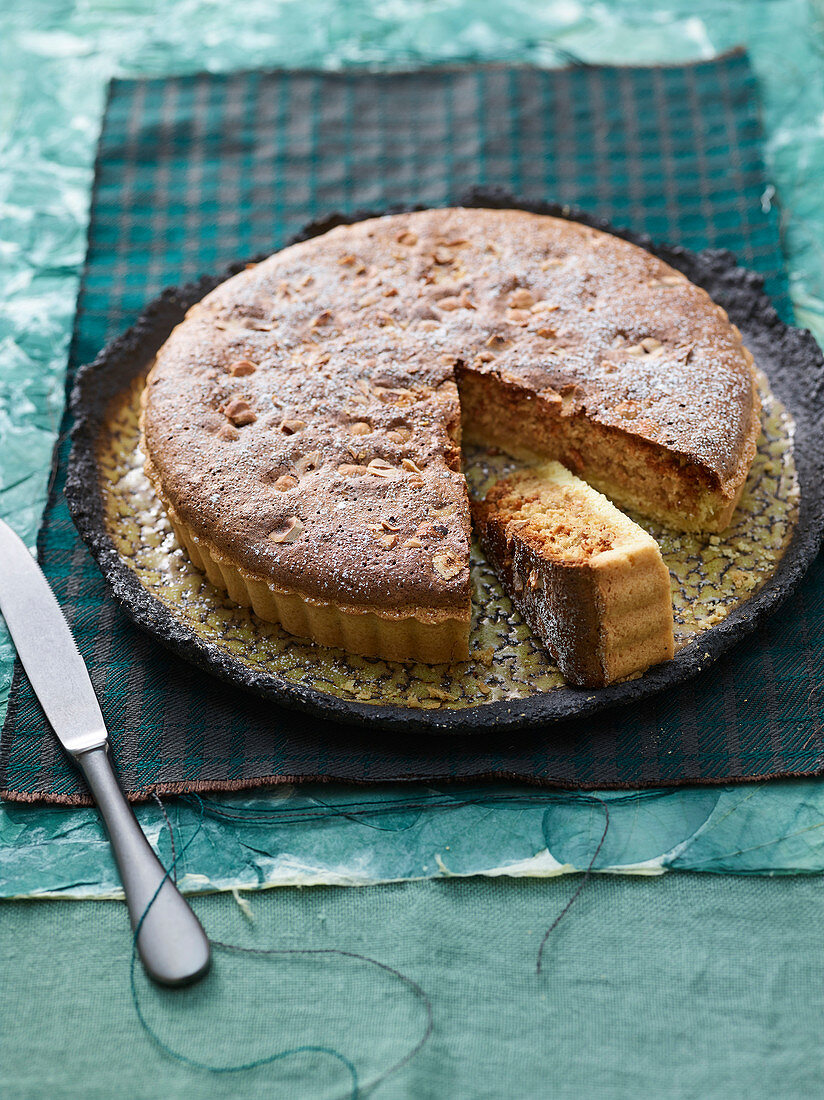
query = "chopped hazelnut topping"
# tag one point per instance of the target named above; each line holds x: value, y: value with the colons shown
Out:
x: 284, y: 482
x: 289, y: 532
x: 496, y: 340
x: 380, y: 468
x: 650, y: 344
x: 241, y: 368
x: 291, y: 427
x: 446, y: 565
x: 399, y: 435
x: 240, y: 412
x: 394, y: 397
x: 521, y: 299
x: 308, y: 463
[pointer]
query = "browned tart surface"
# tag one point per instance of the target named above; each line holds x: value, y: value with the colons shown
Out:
x: 303, y: 422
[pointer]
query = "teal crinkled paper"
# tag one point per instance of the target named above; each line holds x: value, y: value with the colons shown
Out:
x: 336, y: 835
x: 57, y: 60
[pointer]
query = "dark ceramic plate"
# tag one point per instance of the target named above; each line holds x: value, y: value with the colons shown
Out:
x: 788, y: 356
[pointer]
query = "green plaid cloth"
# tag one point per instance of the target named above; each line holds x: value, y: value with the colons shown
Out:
x: 199, y: 171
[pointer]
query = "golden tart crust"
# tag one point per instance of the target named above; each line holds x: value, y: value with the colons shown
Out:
x: 302, y: 425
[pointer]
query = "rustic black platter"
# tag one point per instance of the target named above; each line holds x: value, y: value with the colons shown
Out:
x: 788, y: 356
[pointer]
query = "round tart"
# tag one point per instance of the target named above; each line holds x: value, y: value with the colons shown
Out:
x: 302, y: 426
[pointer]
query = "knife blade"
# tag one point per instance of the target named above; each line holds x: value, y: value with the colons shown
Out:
x: 170, y: 940
x: 47, y: 649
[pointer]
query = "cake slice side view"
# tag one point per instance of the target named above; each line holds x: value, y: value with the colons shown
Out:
x: 589, y: 582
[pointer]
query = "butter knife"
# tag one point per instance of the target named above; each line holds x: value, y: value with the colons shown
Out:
x: 171, y: 942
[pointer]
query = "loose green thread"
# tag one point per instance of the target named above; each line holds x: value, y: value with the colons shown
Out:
x: 195, y: 1063
x: 588, y: 798
x: 352, y: 812
x: 358, y: 811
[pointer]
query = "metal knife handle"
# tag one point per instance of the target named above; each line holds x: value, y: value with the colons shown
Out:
x: 171, y: 941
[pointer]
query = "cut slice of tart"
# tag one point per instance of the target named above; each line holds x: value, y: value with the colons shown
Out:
x: 589, y: 582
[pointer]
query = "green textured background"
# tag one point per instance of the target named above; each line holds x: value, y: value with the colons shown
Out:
x: 694, y: 986
x: 682, y: 986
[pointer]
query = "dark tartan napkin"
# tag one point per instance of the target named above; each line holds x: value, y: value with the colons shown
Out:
x: 198, y: 171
